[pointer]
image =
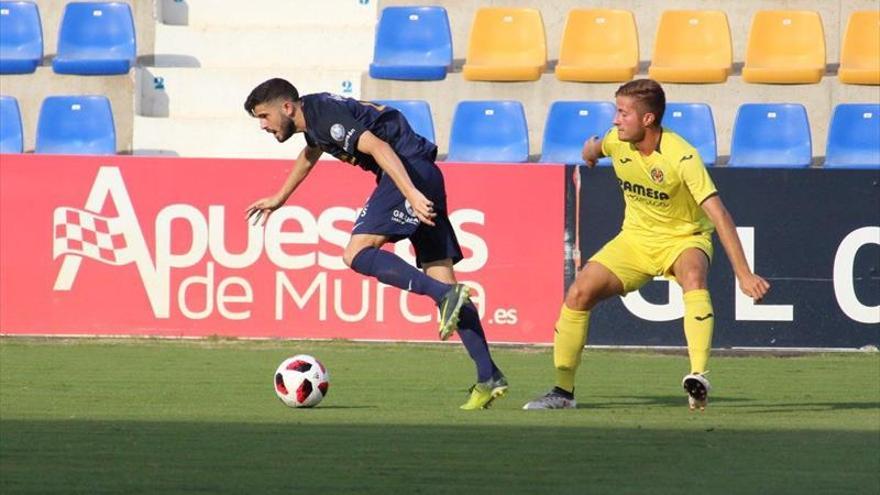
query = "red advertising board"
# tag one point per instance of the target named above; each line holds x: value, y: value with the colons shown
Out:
x: 160, y: 246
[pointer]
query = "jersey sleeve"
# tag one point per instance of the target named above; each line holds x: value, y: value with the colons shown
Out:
x: 696, y: 177
x: 338, y: 124
x: 609, y: 142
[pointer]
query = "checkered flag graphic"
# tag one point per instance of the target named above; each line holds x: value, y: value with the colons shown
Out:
x: 82, y: 233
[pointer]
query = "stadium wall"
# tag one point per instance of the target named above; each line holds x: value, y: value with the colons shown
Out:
x: 159, y: 246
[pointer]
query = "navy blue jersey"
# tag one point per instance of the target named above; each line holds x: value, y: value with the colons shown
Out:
x: 335, y: 123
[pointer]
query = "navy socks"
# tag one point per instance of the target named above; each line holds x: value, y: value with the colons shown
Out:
x: 470, y: 330
x: 392, y: 270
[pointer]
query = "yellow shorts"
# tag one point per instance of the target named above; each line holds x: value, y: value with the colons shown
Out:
x: 636, y: 260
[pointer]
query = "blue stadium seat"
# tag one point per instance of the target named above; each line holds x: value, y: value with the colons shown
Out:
x: 10, y: 126
x: 693, y: 122
x: 854, y: 136
x: 417, y: 113
x: 412, y: 43
x: 569, y: 124
x: 489, y: 131
x: 21, y: 37
x: 96, y: 38
x: 771, y: 135
x: 76, y: 125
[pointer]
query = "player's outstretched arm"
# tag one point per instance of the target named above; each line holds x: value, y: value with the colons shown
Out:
x: 391, y: 165
x: 751, y: 284
x: 262, y: 208
x: 592, y: 151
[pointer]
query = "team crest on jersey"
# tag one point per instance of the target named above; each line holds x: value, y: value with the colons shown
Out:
x: 337, y: 132
x: 657, y: 175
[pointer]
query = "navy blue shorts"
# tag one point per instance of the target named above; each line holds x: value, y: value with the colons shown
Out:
x: 387, y: 213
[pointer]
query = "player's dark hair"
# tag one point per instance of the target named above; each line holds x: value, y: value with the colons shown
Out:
x: 270, y: 90
x: 649, y: 94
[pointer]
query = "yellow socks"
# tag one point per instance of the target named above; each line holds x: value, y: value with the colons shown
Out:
x: 699, y: 321
x: 568, y: 345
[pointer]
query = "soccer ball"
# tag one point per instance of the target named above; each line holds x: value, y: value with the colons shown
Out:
x: 301, y: 381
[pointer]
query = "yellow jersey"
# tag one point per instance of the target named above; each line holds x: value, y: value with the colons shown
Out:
x: 662, y: 191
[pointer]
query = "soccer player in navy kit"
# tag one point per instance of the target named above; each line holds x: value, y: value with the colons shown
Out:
x: 409, y: 202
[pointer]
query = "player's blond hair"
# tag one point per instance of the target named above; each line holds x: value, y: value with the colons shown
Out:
x: 648, y: 94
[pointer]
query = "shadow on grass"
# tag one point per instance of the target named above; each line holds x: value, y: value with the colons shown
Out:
x: 618, y: 401
x: 176, y: 457
x: 336, y: 407
x: 763, y: 407
x: 747, y: 405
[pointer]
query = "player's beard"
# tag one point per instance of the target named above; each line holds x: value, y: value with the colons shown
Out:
x: 287, y: 130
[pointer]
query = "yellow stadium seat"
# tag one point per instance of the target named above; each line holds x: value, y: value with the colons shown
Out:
x: 786, y: 47
x: 692, y: 46
x: 598, y: 45
x: 506, y: 44
x: 860, y: 51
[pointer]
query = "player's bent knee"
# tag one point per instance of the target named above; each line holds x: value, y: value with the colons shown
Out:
x: 692, y: 281
x: 358, y: 243
x: 580, y: 297
x: 351, y: 252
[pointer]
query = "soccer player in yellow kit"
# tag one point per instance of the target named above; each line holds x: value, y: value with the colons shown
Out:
x: 672, y: 208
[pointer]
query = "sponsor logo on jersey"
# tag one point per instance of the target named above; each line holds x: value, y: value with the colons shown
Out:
x: 347, y: 142
x: 640, y: 190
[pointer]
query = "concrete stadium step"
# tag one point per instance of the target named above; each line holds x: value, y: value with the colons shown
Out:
x: 268, y: 13
x: 234, y: 137
x: 220, y: 92
x: 304, y: 47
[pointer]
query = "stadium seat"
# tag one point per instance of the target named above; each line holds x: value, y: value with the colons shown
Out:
x: 21, y: 37
x: 412, y: 43
x: 417, y: 113
x: 78, y: 125
x: 95, y: 38
x: 860, y: 51
x: 692, y: 46
x: 771, y: 135
x: 489, y: 131
x: 785, y: 46
x: 693, y: 122
x: 506, y: 44
x: 598, y: 45
x: 11, y: 140
x: 569, y: 124
x: 854, y: 136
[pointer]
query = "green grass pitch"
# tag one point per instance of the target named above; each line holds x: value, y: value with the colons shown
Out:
x: 145, y: 416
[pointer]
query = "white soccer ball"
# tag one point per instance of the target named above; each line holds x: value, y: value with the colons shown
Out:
x: 301, y: 381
